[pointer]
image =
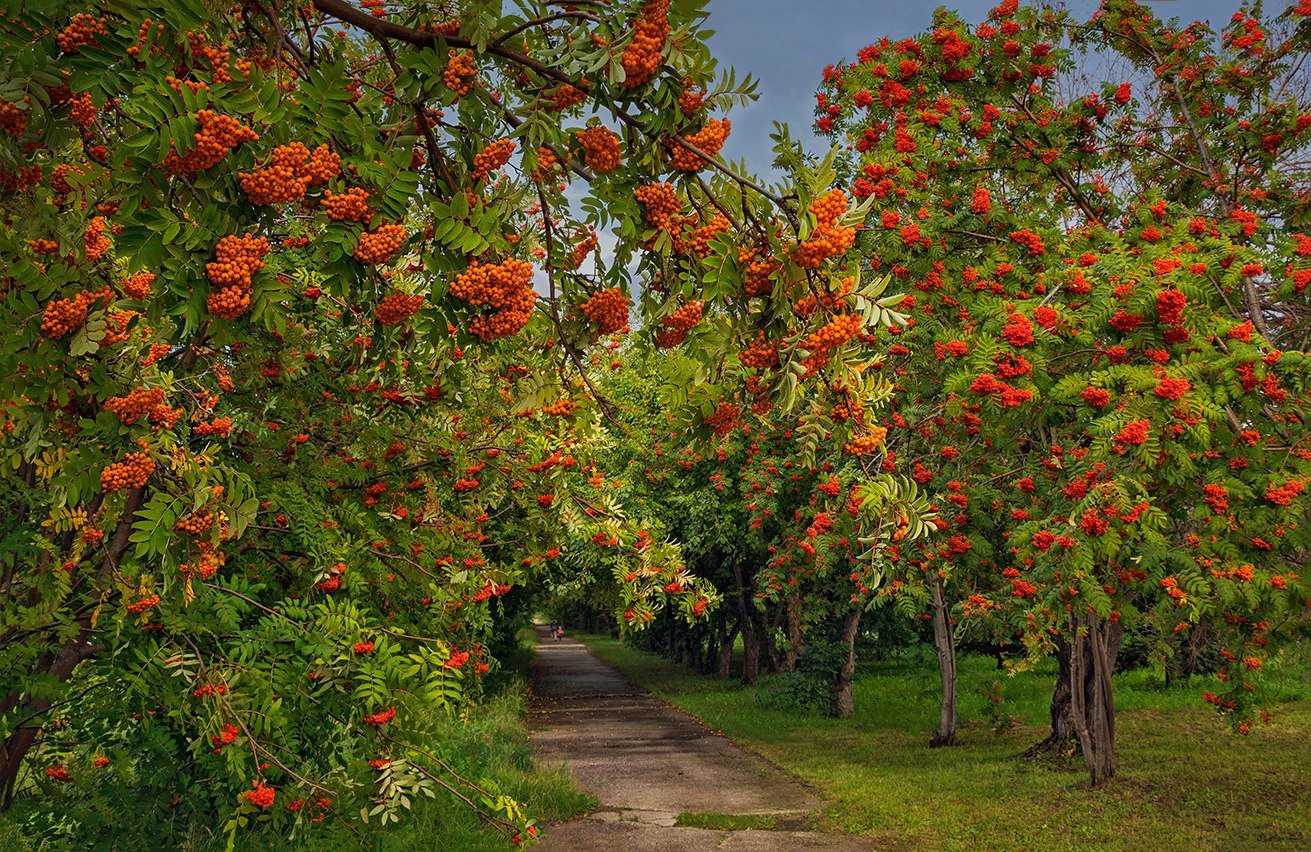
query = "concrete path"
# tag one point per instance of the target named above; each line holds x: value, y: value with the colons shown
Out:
x: 648, y: 762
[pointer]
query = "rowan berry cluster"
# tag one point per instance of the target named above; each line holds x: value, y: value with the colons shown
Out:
x: 708, y: 140
x: 142, y: 604
x: 94, y: 240
x: 13, y: 120
x: 565, y: 96
x: 80, y: 32
x: 674, y: 328
x: 396, y: 308
x: 691, y: 100
x: 217, y: 136
x: 237, y: 258
x: 138, y: 286
x: 291, y: 171
x: 349, y: 206
x: 131, y: 472
x: 137, y: 404
x: 505, y: 288
x: 81, y: 110
x: 562, y: 407
x: 757, y: 278
x: 583, y: 249
x: 661, y: 203
x: 546, y: 163
x: 641, y: 59
x: 376, y: 247
x: 196, y: 524
x: 47, y: 247
x: 863, y: 445
x: 821, y: 342
x: 207, y: 565
x: 219, y: 426
x: 700, y: 245
x: 600, y: 149
x: 64, y: 316
x: 761, y: 354
x: 380, y: 718
x: 608, y: 309
x: 723, y: 419
x: 460, y: 73
x: 261, y: 796
x: 827, y: 239
x: 491, y: 158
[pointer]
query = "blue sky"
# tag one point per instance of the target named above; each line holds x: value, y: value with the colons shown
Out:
x: 785, y: 44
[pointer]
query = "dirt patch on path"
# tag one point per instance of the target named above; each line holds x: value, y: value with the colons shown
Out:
x: 648, y: 762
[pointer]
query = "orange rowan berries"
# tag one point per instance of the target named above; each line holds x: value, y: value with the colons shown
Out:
x: 460, y: 73
x: 196, y: 524
x: 562, y: 407
x: 81, y: 110
x: 546, y: 163
x: 13, y: 120
x: 237, y: 258
x: 701, y: 239
x: 757, y: 278
x: 135, y: 405
x: 43, y: 246
x: 81, y: 31
x: 583, y: 249
x: 600, y: 149
x: 349, y: 206
x: 131, y: 472
x: 863, y: 445
x: 608, y: 309
x: 724, y: 418
x: 143, y: 604
x: 565, y: 96
x: 691, y: 100
x: 64, y: 316
x: 94, y: 240
x: 821, y: 343
x: 138, y: 286
x: 827, y: 239
x: 376, y: 247
x: 762, y: 354
x: 59, y: 177
x: 674, y: 328
x: 261, y: 796
x: 217, y: 136
x: 116, y: 324
x: 708, y: 140
x: 506, y: 289
x: 491, y: 158
x: 219, y: 426
x: 396, y: 308
x: 641, y: 59
x: 292, y: 169
x: 661, y: 204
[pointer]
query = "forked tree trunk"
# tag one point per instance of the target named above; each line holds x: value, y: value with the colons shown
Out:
x: 725, y: 670
x: 844, y: 700
x: 944, y: 642
x: 1094, y: 646
x: 750, y: 638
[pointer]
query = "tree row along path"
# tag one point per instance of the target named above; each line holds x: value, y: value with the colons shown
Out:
x: 648, y: 762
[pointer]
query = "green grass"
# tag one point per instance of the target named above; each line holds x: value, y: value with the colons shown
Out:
x: 1185, y: 781
x: 729, y: 822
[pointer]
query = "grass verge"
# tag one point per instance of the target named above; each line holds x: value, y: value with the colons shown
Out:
x: 1185, y: 780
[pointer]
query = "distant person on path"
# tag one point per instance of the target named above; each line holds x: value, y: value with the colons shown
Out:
x: 555, y: 625
x: 559, y: 632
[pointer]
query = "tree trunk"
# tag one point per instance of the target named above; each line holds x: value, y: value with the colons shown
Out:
x: 750, y: 640
x: 944, y: 642
x: 1094, y: 646
x: 844, y: 701
x: 725, y: 670
x: 796, y: 643
x: 1061, y: 738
